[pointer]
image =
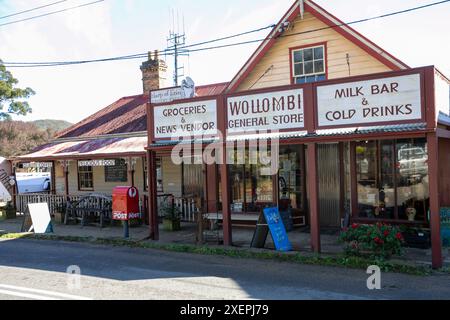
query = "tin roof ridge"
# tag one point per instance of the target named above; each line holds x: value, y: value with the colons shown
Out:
x: 137, y: 134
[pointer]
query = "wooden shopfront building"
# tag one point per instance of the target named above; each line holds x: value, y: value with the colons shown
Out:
x: 362, y: 136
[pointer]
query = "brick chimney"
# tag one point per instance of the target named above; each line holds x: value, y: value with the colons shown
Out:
x: 154, y: 73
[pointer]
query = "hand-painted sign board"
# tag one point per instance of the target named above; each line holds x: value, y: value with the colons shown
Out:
x: 266, y: 111
x: 277, y: 229
x: 186, y: 120
x: 395, y: 99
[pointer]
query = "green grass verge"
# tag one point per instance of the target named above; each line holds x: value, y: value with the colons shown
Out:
x: 320, y: 260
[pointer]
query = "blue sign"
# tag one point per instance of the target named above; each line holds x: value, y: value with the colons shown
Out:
x: 277, y: 229
x: 445, y: 226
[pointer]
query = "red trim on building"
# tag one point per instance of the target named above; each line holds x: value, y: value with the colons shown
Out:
x: 269, y: 42
x: 353, y: 39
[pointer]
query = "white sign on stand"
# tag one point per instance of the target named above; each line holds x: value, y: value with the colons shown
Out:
x: 41, y: 219
x: 395, y: 99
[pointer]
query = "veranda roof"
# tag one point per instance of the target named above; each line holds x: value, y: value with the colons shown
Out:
x: 88, y: 149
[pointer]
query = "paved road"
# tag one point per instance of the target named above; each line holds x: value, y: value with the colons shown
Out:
x: 37, y: 270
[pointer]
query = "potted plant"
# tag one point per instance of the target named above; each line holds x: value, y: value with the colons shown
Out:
x: 416, y: 237
x: 60, y: 213
x: 171, y: 217
x: 10, y: 211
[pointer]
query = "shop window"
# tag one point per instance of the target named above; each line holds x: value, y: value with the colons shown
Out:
x: 392, y: 180
x: 309, y: 64
x: 412, y: 185
x: 85, y: 178
x: 251, y: 190
x: 159, y: 180
x: 291, y: 179
x: 375, y: 175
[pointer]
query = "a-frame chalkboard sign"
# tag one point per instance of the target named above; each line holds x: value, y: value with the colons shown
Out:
x: 270, y: 220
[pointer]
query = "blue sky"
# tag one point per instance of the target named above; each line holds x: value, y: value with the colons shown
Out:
x: 122, y: 27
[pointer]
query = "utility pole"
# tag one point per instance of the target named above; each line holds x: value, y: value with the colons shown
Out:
x: 175, y: 42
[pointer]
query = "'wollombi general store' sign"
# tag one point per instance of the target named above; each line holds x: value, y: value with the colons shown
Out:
x: 266, y: 111
x: 368, y: 102
x: 186, y: 120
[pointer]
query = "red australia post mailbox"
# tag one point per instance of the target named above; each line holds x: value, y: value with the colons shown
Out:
x: 125, y: 203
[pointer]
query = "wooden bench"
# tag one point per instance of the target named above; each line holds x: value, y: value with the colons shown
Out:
x: 92, y: 207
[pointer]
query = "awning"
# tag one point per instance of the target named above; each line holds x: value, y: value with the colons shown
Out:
x: 339, y: 132
x: 267, y: 136
x: 85, y: 149
x: 396, y: 128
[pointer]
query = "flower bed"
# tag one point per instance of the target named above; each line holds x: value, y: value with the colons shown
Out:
x: 378, y: 240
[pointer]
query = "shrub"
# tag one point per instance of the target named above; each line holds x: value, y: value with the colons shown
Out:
x: 170, y: 211
x: 379, y: 240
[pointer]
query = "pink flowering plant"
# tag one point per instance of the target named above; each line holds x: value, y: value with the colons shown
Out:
x: 378, y: 240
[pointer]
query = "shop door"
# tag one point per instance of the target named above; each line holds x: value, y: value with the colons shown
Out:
x: 329, y: 185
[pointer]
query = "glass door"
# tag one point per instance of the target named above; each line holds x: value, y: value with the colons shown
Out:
x: 292, y: 182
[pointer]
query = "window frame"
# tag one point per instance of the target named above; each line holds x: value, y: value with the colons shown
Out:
x: 79, y: 180
x: 145, y: 172
x: 357, y: 217
x: 292, y: 52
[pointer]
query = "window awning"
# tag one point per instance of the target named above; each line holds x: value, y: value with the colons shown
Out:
x: 84, y: 149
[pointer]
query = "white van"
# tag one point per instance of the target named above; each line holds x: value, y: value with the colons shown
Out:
x: 35, y: 182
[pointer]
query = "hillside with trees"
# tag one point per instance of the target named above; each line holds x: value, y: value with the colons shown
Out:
x: 53, y: 125
x: 18, y: 138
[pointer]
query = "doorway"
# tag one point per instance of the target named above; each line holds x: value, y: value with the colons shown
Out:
x: 330, y: 184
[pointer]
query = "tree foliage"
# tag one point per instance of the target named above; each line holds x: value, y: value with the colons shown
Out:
x: 18, y: 138
x: 11, y: 97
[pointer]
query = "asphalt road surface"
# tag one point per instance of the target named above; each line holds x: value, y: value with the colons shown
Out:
x: 37, y: 270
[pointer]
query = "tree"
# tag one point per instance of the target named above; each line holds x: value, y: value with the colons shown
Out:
x: 11, y: 97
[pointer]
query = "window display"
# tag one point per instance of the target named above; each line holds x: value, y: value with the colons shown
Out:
x: 392, y: 179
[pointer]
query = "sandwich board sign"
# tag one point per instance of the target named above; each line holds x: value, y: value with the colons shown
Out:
x: 40, y: 217
x: 445, y: 227
x: 277, y: 229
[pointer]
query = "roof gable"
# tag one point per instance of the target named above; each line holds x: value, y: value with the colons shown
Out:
x: 331, y: 22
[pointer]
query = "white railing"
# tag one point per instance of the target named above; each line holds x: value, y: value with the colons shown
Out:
x: 188, y: 209
x: 55, y: 202
x: 187, y: 206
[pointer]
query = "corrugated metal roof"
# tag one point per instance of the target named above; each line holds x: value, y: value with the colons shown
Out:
x: 113, y: 146
x: 444, y: 119
x: 169, y: 143
x: 126, y: 115
x: 373, y: 129
x: 211, y: 90
x: 304, y: 134
x: 267, y: 136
